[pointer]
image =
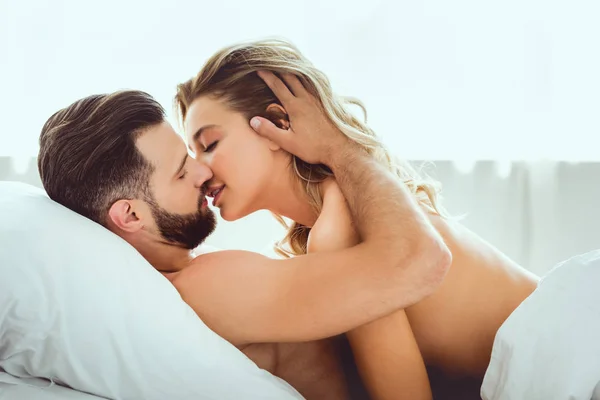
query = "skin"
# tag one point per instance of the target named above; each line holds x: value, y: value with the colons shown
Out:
x: 250, y: 299
x: 452, y: 330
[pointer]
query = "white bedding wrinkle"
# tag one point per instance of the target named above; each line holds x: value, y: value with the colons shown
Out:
x: 549, y: 348
x: 12, y: 388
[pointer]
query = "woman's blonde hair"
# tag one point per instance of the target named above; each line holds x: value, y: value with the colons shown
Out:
x: 230, y: 75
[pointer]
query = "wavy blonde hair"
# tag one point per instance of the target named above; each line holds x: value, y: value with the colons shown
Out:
x: 230, y: 76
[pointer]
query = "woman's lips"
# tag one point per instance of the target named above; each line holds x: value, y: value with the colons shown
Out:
x: 215, y: 193
x: 218, y: 196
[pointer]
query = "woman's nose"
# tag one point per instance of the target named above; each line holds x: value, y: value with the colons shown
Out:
x: 203, y: 173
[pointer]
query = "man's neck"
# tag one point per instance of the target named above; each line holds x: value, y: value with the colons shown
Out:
x: 165, y: 257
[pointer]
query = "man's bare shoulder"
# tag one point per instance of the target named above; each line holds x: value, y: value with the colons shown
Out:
x: 217, y: 263
x: 224, y: 255
x: 221, y: 288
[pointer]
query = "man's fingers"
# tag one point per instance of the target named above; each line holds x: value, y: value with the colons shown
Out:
x: 267, y: 129
x: 278, y: 87
x: 294, y: 84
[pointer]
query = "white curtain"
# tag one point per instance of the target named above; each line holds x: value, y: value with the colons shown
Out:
x: 537, y: 213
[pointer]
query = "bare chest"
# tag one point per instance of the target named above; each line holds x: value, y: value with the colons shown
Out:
x: 312, y: 368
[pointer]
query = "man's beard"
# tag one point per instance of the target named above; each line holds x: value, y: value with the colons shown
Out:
x: 184, y: 230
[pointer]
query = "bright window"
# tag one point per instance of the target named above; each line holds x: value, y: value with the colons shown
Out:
x: 441, y: 79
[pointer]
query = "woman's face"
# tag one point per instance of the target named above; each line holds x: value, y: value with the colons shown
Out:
x: 243, y: 163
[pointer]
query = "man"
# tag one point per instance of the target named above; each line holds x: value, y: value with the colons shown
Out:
x: 114, y: 159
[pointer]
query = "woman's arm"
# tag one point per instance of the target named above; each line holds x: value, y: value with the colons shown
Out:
x: 388, y: 359
x: 386, y: 352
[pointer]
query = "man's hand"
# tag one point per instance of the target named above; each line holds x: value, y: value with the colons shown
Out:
x: 249, y: 298
x: 312, y: 136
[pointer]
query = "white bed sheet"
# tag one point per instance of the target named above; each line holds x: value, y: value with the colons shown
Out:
x: 12, y: 388
x: 549, y: 348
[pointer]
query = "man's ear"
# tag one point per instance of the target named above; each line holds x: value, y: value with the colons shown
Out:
x: 122, y: 215
x: 277, y: 115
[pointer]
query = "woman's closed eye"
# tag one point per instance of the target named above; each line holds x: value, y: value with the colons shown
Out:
x: 211, y: 147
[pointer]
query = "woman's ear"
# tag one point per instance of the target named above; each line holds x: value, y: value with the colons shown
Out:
x: 277, y: 115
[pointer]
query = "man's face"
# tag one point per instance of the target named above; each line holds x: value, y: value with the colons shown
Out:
x: 176, y: 200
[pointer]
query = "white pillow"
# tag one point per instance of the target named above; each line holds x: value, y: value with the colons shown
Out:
x: 81, y: 307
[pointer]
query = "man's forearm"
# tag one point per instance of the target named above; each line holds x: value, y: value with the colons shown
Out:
x: 404, y: 251
x: 394, y: 230
x: 381, y: 205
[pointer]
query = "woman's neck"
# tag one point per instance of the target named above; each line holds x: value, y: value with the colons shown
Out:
x: 287, y: 197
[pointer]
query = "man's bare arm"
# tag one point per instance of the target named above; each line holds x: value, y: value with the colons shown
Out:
x: 388, y: 219
x: 248, y: 298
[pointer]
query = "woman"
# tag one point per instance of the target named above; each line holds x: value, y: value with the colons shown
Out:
x: 451, y: 333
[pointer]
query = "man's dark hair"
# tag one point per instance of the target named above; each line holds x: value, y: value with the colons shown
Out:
x: 88, y: 158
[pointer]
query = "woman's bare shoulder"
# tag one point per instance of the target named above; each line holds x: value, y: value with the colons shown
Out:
x: 333, y: 229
